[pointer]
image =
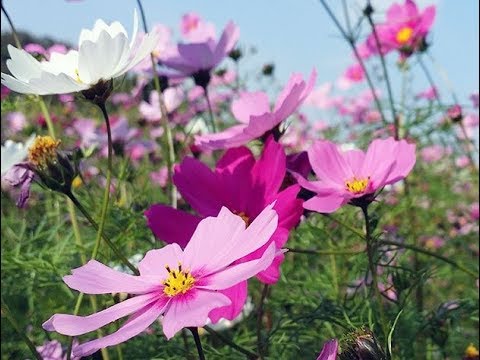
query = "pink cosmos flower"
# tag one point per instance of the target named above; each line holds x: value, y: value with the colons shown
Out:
x: 434, y: 153
x: 172, y: 97
x: 404, y: 29
x: 16, y: 122
x: 354, y: 176
x: 252, y: 110
x: 353, y: 74
x: 182, y: 286
x: 197, y: 59
x: 245, y: 186
x: 52, y: 350
x: 320, y: 97
x: 329, y: 350
x: 194, y: 29
x: 430, y: 94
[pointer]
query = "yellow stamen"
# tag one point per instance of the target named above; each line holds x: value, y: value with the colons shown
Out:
x: 244, y: 217
x: 404, y: 35
x: 471, y: 351
x: 77, y: 77
x: 357, y: 186
x: 178, y: 282
x: 43, y: 151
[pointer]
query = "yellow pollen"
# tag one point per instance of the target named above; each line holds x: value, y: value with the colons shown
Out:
x: 244, y: 217
x: 404, y: 35
x: 77, y: 182
x: 77, y: 77
x: 42, y: 151
x: 357, y: 186
x: 471, y: 351
x: 178, y: 282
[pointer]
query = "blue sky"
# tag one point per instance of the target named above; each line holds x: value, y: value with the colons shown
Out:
x: 296, y: 35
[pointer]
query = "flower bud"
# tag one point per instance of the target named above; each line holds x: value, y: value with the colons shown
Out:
x: 362, y: 345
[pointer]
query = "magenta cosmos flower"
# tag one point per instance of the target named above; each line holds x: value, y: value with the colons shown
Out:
x: 253, y: 111
x: 354, y: 176
x: 181, y: 286
x: 245, y: 186
x: 329, y: 350
x: 404, y: 29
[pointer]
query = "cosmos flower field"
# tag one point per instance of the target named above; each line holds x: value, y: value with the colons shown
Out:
x: 160, y: 201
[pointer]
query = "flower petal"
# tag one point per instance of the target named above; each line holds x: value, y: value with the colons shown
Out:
x: 191, y: 310
x: 127, y: 331
x: 96, y: 278
x: 237, y: 295
x: 171, y: 225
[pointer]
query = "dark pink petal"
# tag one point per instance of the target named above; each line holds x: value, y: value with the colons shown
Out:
x: 171, y: 225
x: 271, y: 274
x: 427, y: 19
x: 329, y: 351
x: 237, y: 295
x: 248, y: 104
x: 191, y: 310
x: 126, y: 332
x: 288, y: 207
x: 269, y: 171
x: 96, y: 278
x: 236, y: 273
x: 153, y: 264
x: 233, y: 157
x: 73, y: 325
x: 199, y: 186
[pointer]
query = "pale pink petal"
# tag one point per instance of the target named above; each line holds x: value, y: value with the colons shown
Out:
x: 126, y: 332
x: 73, y: 325
x: 325, y: 204
x: 248, y: 104
x: 237, y: 273
x: 228, y: 138
x: 96, y: 278
x: 153, y: 264
x: 191, y: 310
x: 328, y: 163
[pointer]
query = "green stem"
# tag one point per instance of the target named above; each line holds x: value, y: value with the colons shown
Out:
x: 260, y: 341
x: 345, y: 225
x: 46, y: 115
x: 6, y: 312
x: 109, y: 242
x: 210, y: 110
x: 168, y: 143
x: 396, y: 120
x: 106, y: 194
x: 373, y: 269
x: 325, y: 252
x: 349, y: 38
x: 432, y: 254
x: 198, y: 343
x: 250, y: 355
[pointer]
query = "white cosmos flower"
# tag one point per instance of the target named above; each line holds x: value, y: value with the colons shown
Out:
x: 14, y: 153
x: 104, y: 53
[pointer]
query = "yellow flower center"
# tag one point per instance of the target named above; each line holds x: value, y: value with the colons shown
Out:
x: 43, y: 151
x: 404, y: 35
x: 244, y: 217
x: 357, y: 186
x: 471, y: 351
x: 77, y: 77
x: 178, y: 282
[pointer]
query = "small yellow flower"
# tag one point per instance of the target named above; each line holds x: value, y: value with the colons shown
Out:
x: 77, y: 182
x: 471, y: 351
